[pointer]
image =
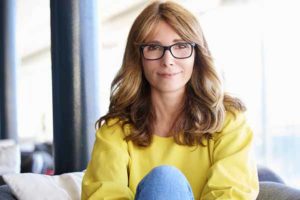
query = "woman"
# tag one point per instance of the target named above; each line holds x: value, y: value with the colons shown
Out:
x: 170, y: 132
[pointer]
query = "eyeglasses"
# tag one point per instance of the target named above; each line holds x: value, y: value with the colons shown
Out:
x: 179, y: 50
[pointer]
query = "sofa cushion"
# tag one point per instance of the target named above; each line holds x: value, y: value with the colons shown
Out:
x: 29, y: 186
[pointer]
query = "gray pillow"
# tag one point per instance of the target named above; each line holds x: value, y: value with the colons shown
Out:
x: 277, y: 191
x: 5, y: 193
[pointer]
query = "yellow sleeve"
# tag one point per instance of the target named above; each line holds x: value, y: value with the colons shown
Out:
x: 233, y: 173
x: 106, y: 176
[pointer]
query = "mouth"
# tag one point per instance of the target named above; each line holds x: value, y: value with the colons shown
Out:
x: 168, y: 75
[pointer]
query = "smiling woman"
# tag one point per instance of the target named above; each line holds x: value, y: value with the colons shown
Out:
x: 168, y: 109
x: 167, y: 71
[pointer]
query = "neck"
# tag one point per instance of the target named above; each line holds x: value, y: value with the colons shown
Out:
x: 167, y: 108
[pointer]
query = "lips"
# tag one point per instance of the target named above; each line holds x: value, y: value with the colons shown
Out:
x: 163, y: 74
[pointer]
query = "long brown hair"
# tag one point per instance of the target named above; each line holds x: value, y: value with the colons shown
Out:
x: 205, y: 103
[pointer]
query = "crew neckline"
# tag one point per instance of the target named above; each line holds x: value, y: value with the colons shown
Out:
x: 162, y: 137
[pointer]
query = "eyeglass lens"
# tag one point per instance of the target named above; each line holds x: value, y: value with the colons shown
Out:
x: 179, y: 50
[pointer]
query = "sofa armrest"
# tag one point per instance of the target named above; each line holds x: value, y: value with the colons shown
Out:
x: 265, y: 174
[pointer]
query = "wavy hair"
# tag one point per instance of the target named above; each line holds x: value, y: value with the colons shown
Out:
x: 206, y: 104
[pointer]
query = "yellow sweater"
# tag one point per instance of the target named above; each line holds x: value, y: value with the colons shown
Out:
x: 224, y: 169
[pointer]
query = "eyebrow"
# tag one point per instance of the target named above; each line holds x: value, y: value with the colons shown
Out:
x: 158, y: 42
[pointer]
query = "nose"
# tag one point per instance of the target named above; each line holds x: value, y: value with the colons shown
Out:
x: 167, y: 59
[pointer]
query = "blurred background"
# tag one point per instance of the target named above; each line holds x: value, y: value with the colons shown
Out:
x: 255, y: 45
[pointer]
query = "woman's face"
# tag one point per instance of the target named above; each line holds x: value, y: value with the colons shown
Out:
x: 167, y: 74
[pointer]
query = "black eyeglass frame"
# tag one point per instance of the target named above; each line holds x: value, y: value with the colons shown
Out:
x: 142, y: 46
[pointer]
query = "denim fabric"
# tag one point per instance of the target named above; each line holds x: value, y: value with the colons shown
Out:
x: 164, y: 182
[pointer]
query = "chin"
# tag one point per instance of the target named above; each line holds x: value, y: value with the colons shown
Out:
x: 171, y: 89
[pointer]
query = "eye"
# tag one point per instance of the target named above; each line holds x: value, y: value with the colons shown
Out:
x: 153, y: 47
x: 181, y: 45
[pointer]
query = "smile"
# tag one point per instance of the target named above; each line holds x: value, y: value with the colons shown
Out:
x: 168, y: 75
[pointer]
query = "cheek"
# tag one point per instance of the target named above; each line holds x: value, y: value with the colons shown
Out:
x: 147, y: 75
x: 147, y: 69
x: 189, y: 68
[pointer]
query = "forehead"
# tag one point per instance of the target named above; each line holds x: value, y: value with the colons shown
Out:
x: 163, y: 33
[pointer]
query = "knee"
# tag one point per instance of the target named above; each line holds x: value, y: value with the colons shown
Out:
x: 167, y: 173
x: 163, y: 181
x: 165, y: 169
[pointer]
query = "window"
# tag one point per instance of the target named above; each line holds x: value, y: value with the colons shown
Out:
x: 34, y: 86
x: 255, y: 47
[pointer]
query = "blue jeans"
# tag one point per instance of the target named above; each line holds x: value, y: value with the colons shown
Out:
x: 164, y: 182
